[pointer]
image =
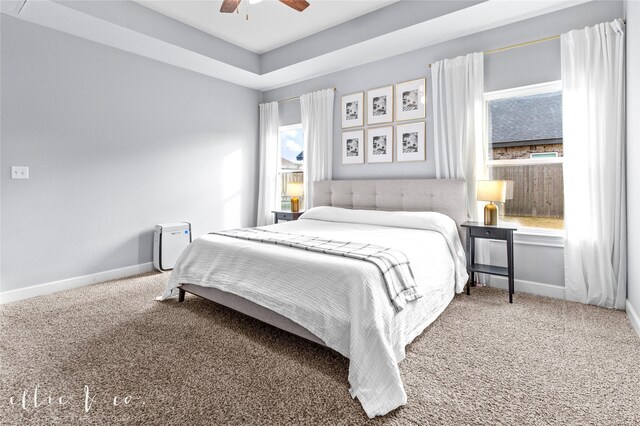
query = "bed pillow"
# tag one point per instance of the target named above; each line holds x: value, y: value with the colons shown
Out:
x: 413, y: 220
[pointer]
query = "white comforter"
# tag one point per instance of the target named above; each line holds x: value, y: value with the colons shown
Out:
x: 343, y: 301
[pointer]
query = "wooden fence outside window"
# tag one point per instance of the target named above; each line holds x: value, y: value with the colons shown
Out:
x: 538, y: 189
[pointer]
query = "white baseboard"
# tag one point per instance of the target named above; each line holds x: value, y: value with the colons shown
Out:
x: 71, y: 283
x: 530, y: 287
x: 634, y: 319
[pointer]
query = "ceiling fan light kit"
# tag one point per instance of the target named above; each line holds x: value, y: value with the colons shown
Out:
x: 230, y: 6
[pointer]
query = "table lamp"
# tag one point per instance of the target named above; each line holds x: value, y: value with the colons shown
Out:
x: 492, y: 191
x: 294, y: 190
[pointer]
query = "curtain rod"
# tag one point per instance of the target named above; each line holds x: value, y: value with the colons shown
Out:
x: 296, y: 97
x: 515, y: 46
x: 526, y: 43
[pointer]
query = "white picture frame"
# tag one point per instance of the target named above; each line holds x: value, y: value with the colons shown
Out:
x: 380, y: 144
x: 380, y: 103
x: 410, y: 99
x: 352, y: 110
x: 353, y: 147
x: 410, y: 142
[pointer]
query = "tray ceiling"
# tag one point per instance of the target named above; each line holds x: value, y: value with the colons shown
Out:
x: 271, y: 24
x: 130, y: 27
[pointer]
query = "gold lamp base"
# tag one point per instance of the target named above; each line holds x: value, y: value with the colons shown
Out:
x: 490, y: 214
x: 295, y: 204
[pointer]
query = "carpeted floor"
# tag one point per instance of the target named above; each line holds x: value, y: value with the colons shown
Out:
x: 538, y: 361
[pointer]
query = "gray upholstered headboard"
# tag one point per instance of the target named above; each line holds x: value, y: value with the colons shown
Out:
x: 445, y: 196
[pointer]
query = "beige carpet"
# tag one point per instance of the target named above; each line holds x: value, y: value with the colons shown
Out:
x: 538, y: 361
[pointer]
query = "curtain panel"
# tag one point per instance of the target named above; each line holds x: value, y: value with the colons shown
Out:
x: 317, y: 125
x: 457, y: 98
x: 458, y: 112
x: 594, y: 165
x: 269, y: 163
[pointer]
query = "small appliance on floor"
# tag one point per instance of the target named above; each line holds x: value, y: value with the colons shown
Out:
x: 169, y: 240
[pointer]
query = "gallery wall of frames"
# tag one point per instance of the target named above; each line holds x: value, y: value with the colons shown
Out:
x: 385, y: 124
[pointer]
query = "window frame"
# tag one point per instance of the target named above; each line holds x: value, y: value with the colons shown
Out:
x: 280, y: 170
x: 542, y: 236
x: 533, y: 89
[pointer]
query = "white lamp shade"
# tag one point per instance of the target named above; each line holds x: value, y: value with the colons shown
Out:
x: 294, y: 189
x: 509, y: 184
x: 492, y: 190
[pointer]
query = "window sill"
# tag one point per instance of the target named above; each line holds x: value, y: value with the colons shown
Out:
x: 539, y: 237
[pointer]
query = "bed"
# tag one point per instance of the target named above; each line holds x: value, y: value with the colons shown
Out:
x: 339, y: 301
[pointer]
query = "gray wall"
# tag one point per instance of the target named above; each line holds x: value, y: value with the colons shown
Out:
x: 115, y: 143
x: 528, y: 65
x: 633, y: 151
x: 518, y: 67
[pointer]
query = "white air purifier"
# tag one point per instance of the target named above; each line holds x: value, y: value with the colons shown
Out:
x: 169, y: 240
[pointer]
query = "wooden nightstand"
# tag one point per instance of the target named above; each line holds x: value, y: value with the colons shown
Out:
x: 502, y: 232
x: 280, y: 215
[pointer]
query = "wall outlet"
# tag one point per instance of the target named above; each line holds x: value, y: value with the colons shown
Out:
x: 19, y: 172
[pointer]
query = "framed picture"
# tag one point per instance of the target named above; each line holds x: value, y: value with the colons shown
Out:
x: 410, y: 99
x: 380, y: 145
x: 353, y: 110
x: 410, y: 145
x: 353, y: 147
x: 380, y: 105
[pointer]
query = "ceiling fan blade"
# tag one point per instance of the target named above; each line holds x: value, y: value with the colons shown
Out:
x: 229, y: 6
x: 298, y: 5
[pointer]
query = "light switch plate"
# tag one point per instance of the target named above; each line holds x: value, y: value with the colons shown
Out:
x: 19, y: 172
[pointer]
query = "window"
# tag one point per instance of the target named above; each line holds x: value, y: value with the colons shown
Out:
x: 524, y: 139
x: 291, y: 162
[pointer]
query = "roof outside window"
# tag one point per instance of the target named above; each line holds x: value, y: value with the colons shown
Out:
x: 526, y: 120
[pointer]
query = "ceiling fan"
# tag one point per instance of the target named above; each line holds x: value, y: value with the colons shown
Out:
x: 230, y: 6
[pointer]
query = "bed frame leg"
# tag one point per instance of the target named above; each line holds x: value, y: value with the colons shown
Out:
x: 181, y: 295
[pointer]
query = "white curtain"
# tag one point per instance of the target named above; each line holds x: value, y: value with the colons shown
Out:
x: 594, y: 165
x: 457, y: 98
x: 269, y: 163
x: 458, y: 114
x: 317, y: 125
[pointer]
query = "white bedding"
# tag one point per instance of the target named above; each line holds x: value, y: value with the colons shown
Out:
x: 343, y: 301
